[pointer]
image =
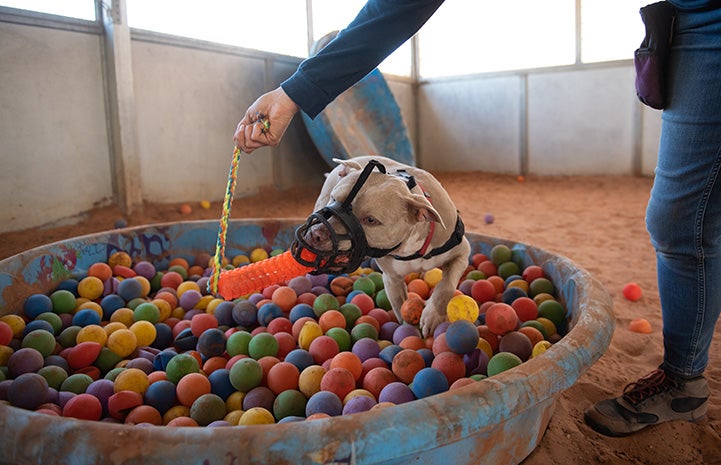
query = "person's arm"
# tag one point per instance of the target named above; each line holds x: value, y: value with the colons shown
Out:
x: 380, y: 28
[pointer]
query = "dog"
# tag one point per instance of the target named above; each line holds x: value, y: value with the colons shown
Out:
x: 410, y: 225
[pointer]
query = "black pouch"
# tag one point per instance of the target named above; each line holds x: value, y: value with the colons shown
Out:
x: 651, y: 57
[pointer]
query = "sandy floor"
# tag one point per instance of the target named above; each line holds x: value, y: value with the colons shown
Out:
x: 595, y: 221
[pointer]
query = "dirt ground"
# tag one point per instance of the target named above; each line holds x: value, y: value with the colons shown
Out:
x: 597, y: 222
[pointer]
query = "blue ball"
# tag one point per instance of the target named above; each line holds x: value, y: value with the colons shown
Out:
x: 163, y: 336
x: 110, y: 303
x: 389, y: 352
x: 513, y: 277
x: 37, y: 304
x: 86, y: 317
x: 220, y: 384
x: 512, y: 293
x: 161, y: 395
x: 224, y: 314
x: 428, y: 382
x: 427, y: 355
x: 462, y: 336
x: 324, y: 402
x: 38, y: 324
x: 267, y: 312
x: 69, y: 285
x: 211, y: 342
x: 130, y: 289
x: 301, y: 358
x: 160, y: 362
x: 299, y: 311
x: 245, y: 313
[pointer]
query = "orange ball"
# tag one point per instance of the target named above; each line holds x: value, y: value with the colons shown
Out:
x: 406, y: 364
x: 501, y: 318
x: 144, y: 414
x: 331, y: 319
x: 339, y: 381
x: 413, y: 342
x: 283, y: 376
x: 285, y: 297
x: 420, y: 287
x: 350, y: 362
x: 411, y: 310
x: 632, y: 291
x: 451, y: 365
x: 640, y: 325
x: 192, y: 386
x: 101, y: 271
x: 201, y: 322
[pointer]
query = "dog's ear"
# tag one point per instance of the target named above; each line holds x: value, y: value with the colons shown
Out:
x: 347, y: 166
x: 422, y: 210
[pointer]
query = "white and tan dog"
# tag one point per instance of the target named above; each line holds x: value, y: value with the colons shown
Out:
x: 414, y: 218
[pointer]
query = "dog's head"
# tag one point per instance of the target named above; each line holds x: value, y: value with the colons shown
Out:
x: 368, y: 213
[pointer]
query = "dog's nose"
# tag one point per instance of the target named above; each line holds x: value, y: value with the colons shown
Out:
x: 318, y: 235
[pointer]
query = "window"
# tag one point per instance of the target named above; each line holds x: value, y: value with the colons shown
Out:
x: 610, y: 29
x: 468, y: 36
x: 333, y: 15
x: 81, y: 9
x: 277, y: 26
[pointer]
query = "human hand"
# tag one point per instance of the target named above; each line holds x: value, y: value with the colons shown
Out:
x: 265, y: 121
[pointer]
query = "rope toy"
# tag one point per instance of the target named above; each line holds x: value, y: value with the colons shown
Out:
x: 254, y: 277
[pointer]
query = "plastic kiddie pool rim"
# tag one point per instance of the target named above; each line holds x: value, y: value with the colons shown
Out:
x: 499, y: 420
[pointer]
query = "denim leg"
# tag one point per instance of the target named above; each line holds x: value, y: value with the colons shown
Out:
x: 684, y: 211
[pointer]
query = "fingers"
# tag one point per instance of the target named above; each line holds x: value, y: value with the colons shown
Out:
x: 251, y: 136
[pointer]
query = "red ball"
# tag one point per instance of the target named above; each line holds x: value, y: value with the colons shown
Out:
x: 483, y: 291
x: 83, y: 407
x: 339, y: 381
x: 451, y: 365
x: 526, y: 308
x: 202, y: 321
x: 323, y: 348
x: 501, y: 318
x: 283, y: 376
x: 632, y: 291
x: 378, y: 378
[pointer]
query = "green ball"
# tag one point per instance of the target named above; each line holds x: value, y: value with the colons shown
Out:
x: 63, y: 301
x: 501, y: 362
x: 181, y: 365
x: 382, y: 301
x: 478, y: 377
x: 77, y: 383
x: 54, y: 375
x: 541, y: 286
x: 53, y: 319
x: 507, y: 269
x: 263, y: 345
x: 146, y: 311
x: 377, y: 279
x: 180, y: 270
x: 112, y: 374
x: 552, y: 310
x: 68, y: 337
x: 155, y: 283
x: 40, y: 340
x: 325, y: 302
x: 365, y: 284
x: 500, y: 253
x: 538, y: 325
x: 106, y: 360
x: 237, y: 343
x: 351, y: 312
x: 245, y: 374
x: 207, y: 408
x: 133, y: 303
x: 362, y: 330
x: 3, y: 377
x: 289, y: 403
x: 342, y: 337
x: 475, y: 275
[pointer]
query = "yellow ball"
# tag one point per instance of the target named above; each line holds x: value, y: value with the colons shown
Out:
x: 131, y: 379
x: 16, y: 323
x: 164, y: 307
x: 174, y: 412
x: 520, y: 283
x: 308, y: 333
x: 178, y: 312
x: 93, y: 333
x: 462, y: 307
x: 239, y: 260
x: 187, y: 286
x: 90, y: 287
x: 384, y: 343
x: 256, y: 416
x: 485, y: 346
x: 5, y: 353
x: 205, y: 204
x: 210, y: 308
x: 357, y: 393
x: 309, y: 380
x: 120, y: 258
x: 144, y: 331
x: 540, y: 347
x: 548, y: 324
x: 234, y: 402
x: 113, y: 326
x: 123, y: 315
x: 233, y: 417
x: 123, y: 342
x: 144, y: 285
x: 203, y: 302
x: 433, y: 277
x: 258, y: 254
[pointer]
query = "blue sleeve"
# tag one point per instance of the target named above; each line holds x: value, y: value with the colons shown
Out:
x: 691, y: 5
x: 380, y: 27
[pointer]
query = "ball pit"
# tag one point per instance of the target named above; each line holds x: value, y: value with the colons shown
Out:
x: 530, y: 387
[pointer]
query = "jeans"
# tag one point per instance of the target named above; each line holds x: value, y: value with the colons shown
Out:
x: 683, y: 216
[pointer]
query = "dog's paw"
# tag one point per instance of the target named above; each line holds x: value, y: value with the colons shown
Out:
x: 429, y: 320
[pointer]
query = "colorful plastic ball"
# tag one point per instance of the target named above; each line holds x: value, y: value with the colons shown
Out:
x: 245, y: 313
x: 404, y: 331
x: 451, y: 365
x: 406, y: 364
x: 237, y: 343
x: 301, y: 358
x: 365, y: 285
x: 338, y: 380
x: 553, y: 310
x: 300, y: 310
x: 246, y: 374
x: 28, y: 391
x: 541, y: 286
x: 325, y: 302
x: 282, y: 376
x: 462, y: 336
x: 324, y: 402
x: 160, y: 395
x: 256, y: 416
x: 516, y: 343
x: 41, y: 340
x: 396, y: 393
x: 411, y: 310
x: 540, y: 347
x: 342, y: 337
x: 501, y: 318
x: 267, y: 312
x: 36, y: 304
x: 181, y: 365
x: 132, y: 379
x: 76, y: 383
x: 212, y: 342
x: 259, y: 396
x: 507, y: 269
x: 83, y: 407
x: 54, y: 375
x: 309, y: 379
x: 428, y: 382
x: 511, y: 294
x: 488, y: 218
x: 358, y: 404
x: 130, y: 289
x: 632, y: 291
x: 63, y: 301
x: 462, y: 307
x: 289, y: 403
x: 220, y: 384
x: 190, y: 387
x: 323, y: 348
x: 501, y: 362
x: 262, y: 345
x: 500, y: 253
x: 123, y: 342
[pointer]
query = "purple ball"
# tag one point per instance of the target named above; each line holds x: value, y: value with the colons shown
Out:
x: 465, y: 286
x: 301, y: 284
x: 476, y: 362
x: 25, y: 360
x: 403, y: 331
x: 28, y: 391
x: 488, y: 218
x: 102, y: 389
x: 387, y: 330
x: 358, y: 404
x: 141, y: 363
x: 396, y: 392
x: 260, y: 396
x: 189, y: 299
x: 318, y: 280
x: 441, y: 328
x: 145, y: 269
x: 324, y: 402
x: 366, y: 348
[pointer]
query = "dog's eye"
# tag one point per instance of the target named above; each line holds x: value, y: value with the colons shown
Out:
x: 370, y: 221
